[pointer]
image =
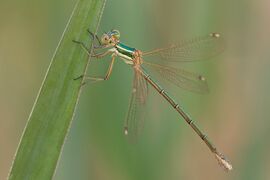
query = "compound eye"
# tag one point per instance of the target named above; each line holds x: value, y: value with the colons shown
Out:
x: 104, y: 39
x: 116, y: 34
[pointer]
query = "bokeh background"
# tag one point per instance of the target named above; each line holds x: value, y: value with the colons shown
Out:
x: 235, y: 114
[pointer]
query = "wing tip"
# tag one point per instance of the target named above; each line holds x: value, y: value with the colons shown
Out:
x: 215, y: 35
x: 201, y: 78
x: 126, y: 131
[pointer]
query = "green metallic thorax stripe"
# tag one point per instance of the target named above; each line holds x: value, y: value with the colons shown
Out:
x: 124, y: 49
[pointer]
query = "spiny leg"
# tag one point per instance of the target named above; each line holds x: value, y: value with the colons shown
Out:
x: 87, y: 50
x: 84, y: 47
x: 101, y: 55
x: 94, y: 36
x: 98, y: 56
x: 106, y: 77
x: 93, y: 39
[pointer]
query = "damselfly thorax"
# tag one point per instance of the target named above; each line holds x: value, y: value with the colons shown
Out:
x: 129, y: 55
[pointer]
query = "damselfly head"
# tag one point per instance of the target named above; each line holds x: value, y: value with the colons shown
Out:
x: 110, y: 38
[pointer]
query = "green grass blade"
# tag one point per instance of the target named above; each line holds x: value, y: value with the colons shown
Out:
x: 52, y: 113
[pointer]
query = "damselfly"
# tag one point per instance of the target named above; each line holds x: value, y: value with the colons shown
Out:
x: 192, y: 50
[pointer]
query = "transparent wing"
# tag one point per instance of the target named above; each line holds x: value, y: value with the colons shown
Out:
x: 136, y: 112
x: 179, y: 77
x: 201, y: 48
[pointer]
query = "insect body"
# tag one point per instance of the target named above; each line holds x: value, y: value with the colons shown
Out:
x: 195, y: 49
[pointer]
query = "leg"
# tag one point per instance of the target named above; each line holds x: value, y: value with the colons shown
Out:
x: 87, y: 51
x: 83, y: 46
x: 101, y: 55
x: 98, y: 56
x: 94, y: 36
x: 95, y: 79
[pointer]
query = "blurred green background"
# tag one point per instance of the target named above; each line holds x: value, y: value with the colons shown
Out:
x: 234, y: 114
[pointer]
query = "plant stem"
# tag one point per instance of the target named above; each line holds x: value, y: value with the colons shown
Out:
x: 52, y: 113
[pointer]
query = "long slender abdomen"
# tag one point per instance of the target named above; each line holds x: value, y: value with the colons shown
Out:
x: 220, y: 157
